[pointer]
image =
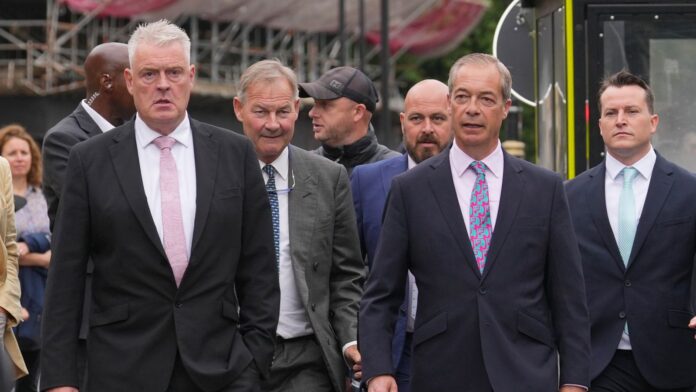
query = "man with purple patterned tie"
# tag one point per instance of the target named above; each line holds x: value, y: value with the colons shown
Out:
x: 504, y: 313
x: 174, y: 214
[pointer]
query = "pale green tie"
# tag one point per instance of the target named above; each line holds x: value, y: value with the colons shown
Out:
x: 627, y: 214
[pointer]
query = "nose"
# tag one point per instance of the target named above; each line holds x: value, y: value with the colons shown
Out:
x: 621, y: 118
x: 427, y: 126
x: 162, y: 81
x: 313, y: 111
x: 472, y: 107
x: 272, y: 122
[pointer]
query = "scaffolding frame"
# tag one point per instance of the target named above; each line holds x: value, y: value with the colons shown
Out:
x: 45, y: 57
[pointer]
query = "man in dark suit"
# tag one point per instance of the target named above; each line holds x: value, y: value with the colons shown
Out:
x: 174, y: 215
x: 107, y: 104
x: 426, y: 132
x: 635, y: 218
x: 318, y: 254
x: 501, y: 314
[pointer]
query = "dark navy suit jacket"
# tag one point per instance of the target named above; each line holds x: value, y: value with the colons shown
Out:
x: 654, y: 292
x: 370, y: 185
x: 506, y: 328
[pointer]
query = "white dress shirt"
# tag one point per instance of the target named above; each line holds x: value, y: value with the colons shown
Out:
x: 465, y: 179
x: 293, y: 321
x: 412, y: 288
x: 103, y: 124
x: 149, y: 158
x: 613, y: 184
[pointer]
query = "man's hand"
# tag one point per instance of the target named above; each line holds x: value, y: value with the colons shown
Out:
x: 383, y: 384
x: 354, y: 360
x: 692, y: 325
x: 63, y: 389
x: 569, y: 388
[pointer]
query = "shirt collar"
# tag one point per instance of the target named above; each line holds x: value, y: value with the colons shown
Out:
x: 103, y: 124
x: 281, y: 164
x: 144, y: 135
x: 644, y: 166
x: 411, y: 162
x: 461, y: 160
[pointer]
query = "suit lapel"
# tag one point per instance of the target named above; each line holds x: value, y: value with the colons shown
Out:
x: 124, y: 155
x: 85, y: 122
x: 389, y: 171
x: 301, y: 215
x: 596, y: 200
x: 206, y: 157
x: 442, y: 187
x: 513, y: 186
x: 660, y: 186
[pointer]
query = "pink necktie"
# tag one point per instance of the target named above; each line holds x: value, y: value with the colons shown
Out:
x: 172, y: 222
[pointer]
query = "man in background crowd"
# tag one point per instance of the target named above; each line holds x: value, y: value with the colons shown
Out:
x: 344, y: 101
x: 316, y: 242
x: 425, y: 125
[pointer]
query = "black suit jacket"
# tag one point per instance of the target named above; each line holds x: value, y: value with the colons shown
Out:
x: 139, y: 320
x: 58, y: 141
x: 506, y: 325
x: 653, y: 293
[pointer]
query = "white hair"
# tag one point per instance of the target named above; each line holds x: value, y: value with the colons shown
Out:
x: 160, y: 33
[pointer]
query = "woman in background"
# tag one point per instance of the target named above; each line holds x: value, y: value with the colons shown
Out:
x: 33, y: 241
x: 10, y: 308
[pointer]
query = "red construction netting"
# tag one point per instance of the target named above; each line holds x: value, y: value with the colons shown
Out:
x: 435, y: 32
x: 117, y: 8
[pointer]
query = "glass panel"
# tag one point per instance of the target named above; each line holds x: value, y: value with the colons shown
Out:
x: 545, y: 79
x: 662, y: 49
x: 560, y: 97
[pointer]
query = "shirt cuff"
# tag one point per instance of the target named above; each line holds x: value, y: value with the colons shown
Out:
x: 576, y: 385
x: 345, y: 346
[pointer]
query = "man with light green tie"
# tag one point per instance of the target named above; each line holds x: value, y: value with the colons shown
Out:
x: 635, y: 219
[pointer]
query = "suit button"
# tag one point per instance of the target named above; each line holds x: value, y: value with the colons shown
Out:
x: 483, y: 291
x: 178, y: 305
x: 315, y: 266
x: 627, y: 283
x: 622, y: 315
x: 313, y: 307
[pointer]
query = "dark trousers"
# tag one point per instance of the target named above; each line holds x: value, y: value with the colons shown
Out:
x: 403, y: 370
x: 248, y: 381
x: 622, y: 375
x: 29, y: 382
x: 298, y: 366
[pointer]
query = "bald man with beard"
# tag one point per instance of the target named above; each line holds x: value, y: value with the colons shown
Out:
x: 425, y: 125
x: 107, y: 104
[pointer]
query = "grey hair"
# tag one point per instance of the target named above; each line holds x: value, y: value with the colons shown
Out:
x: 160, y: 33
x: 266, y: 71
x: 483, y: 59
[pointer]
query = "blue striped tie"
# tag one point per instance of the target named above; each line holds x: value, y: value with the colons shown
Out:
x: 275, y: 210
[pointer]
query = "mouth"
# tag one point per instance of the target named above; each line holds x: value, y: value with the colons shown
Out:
x: 316, y: 127
x: 162, y: 101
x: 472, y: 126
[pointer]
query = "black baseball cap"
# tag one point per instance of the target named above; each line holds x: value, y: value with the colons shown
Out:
x: 340, y: 82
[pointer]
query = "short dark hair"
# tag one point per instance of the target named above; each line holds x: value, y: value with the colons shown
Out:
x: 625, y: 78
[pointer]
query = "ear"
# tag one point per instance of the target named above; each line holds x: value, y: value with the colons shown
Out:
x: 654, y: 121
x: 106, y: 83
x: 359, y: 112
x: 506, y: 109
x: 237, y: 104
x: 402, y: 118
x: 297, y: 105
x: 128, y: 76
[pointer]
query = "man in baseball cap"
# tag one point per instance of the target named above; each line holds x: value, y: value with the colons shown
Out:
x: 344, y: 101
